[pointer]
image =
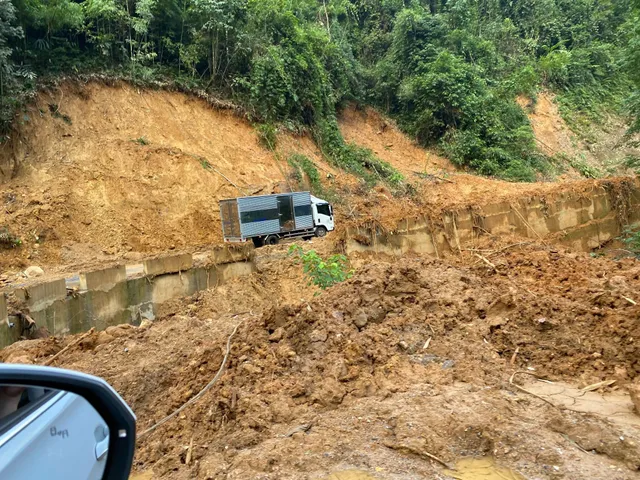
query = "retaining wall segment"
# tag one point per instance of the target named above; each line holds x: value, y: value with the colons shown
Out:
x: 582, y: 221
x: 112, y: 299
x: 104, y: 279
x: 3, y: 308
x: 41, y: 295
x: 170, y: 264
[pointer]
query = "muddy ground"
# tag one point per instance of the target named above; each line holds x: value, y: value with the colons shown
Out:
x: 411, y: 357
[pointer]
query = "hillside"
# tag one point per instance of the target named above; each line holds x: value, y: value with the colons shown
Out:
x: 412, y: 356
x: 114, y: 171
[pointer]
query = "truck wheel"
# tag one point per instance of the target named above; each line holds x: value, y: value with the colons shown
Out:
x: 271, y: 240
x: 257, y: 242
x: 321, y: 231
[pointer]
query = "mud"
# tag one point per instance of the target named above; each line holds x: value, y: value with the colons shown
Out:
x: 410, y: 358
x: 140, y: 172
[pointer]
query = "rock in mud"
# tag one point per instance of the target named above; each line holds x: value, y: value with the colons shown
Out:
x: 34, y: 272
x: 318, y: 336
x: 277, y: 335
x: 361, y: 320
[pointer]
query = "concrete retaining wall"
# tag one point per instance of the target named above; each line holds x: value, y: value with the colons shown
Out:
x: 583, y: 221
x: 108, y: 297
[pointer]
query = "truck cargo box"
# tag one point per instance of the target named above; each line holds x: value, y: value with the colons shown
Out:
x: 248, y: 217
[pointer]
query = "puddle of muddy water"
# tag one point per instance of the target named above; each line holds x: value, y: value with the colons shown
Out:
x: 482, y: 469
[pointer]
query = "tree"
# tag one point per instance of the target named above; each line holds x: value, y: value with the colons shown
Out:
x: 632, y: 62
x: 9, y: 85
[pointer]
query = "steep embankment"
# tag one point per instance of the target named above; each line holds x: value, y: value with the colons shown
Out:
x: 112, y: 171
x: 106, y: 170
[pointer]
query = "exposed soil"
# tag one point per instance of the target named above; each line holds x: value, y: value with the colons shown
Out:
x: 601, y: 147
x: 411, y: 358
x: 113, y: 173
x: 349, y: 379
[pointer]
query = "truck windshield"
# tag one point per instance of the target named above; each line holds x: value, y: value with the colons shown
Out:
x: 324, y: 209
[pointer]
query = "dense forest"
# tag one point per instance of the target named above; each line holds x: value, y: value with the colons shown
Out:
x: 448, y: 71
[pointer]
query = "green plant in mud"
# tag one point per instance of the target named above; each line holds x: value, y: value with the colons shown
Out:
x: 267, y: 135
x: 301, y: 164
x: 631, y: 238
x: 8, y: 240
x: 320, y: 272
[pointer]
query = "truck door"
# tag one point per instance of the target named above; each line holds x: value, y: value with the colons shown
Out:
x: 285, y: 212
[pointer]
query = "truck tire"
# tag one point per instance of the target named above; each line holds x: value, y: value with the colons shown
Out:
x: 271, y: 240
x: 258, y: 242
x: 321, y: 231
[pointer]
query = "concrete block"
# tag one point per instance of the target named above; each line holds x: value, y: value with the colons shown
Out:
x: 9, y: 332
x: 3, y: 308
x: 103, y: 280
x: 172, y: 264
x: 230, y: 254
x: 41, y: 295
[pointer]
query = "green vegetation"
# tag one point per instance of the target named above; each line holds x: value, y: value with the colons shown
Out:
x: 632, y: 60
x: 267, y: 134
x: 631, y: 239
x: 320, y: 272
x: 303, y: 165
x: 8, y: 240
x: 447, y: 70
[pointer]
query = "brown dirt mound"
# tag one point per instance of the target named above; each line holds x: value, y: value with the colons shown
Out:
x: 106, y: 170
x: 350, y: 379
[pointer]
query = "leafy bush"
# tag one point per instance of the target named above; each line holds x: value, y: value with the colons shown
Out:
x: 320, y: 272
x: 303, y: 164
x: 357, y: 160
x: 267, y: 135
x: 631, y: 238
x: 8, y: 240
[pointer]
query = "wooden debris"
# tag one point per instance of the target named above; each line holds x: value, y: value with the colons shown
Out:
x: 596, y: 386
x: 189, y: 452
x: 72, y: 344
x: 420, y: 453
x: 514, y: 356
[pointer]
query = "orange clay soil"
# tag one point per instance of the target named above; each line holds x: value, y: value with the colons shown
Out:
x: 409, y: 358
x: 113, y: 173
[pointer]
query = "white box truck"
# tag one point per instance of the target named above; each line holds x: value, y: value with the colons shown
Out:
x: 266, y: 219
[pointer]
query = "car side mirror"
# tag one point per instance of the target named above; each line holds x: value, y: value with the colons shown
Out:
x: 57, y: 423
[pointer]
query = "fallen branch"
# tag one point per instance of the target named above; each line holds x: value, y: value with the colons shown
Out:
x: 410, y: 450
x: 528, y: 225
x: 486, y: 261
x: 632, y: 302
x: 430, y: 176
x: 201, y: 392
x: 527, y: 391
x: 596, y: 386
x: 514, y: 356
x: 66, y: 349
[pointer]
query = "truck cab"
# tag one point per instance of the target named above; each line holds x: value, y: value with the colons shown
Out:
x: 322, y: 212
